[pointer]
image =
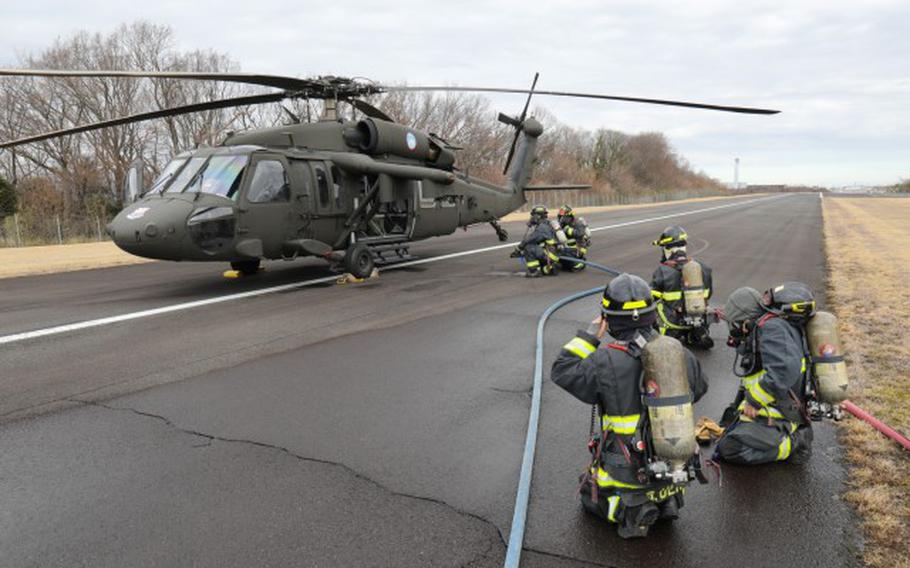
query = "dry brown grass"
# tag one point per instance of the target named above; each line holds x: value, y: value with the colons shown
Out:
x: 869, y: 264
x: 26, y: 261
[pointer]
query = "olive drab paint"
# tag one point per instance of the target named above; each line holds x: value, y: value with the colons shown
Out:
x: 694, y: 289
x: 827, y: 357
x: 669, y: 400
x: 316, y: 188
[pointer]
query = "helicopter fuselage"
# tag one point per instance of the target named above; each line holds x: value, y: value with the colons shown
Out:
x: 311, y: 189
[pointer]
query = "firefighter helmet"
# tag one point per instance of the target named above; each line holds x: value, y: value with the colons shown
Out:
x: 538, y: 213
x: 566, y: 214
x: 744, y: 304
x: 627, y: 295
x: 673, y: 236
x: 790, y: 299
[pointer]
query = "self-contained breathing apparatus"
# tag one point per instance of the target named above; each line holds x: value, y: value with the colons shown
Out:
x: 665, y: 434
x: 825, y: 381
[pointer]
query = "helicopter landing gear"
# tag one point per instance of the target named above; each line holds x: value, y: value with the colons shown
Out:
x: 246, y: 267
x: 358, y: 260
x: 501, y: 233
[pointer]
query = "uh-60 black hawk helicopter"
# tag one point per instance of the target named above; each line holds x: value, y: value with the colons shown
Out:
x: 368, y: 188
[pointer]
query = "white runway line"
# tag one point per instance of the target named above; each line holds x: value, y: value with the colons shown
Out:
x: 16, y: 337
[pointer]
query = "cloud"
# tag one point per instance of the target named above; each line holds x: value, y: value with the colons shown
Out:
x: 836, y: 69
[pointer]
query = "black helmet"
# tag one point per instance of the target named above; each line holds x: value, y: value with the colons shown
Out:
x: 566, y: 214
x: 538, y: 213
x: 672, y: 236
x: 790, y: 299
x: 627, y: 295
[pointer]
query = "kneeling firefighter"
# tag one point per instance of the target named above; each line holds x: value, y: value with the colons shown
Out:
x: 643, y: 386
x: 538, y: 248
x: 768, y: 420
x: 578, y: 238
x: 682, y: 286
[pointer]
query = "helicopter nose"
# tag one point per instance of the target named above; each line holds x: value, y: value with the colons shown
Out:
x: 151, y: 229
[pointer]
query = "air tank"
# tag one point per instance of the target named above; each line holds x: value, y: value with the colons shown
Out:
x: 669, y: 400
x: 693, y: 289
x: 827, y: 357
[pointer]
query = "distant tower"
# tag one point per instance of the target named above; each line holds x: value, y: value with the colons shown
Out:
x: 735, y: 173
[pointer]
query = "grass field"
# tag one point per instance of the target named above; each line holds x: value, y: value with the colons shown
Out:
x: 869, y: 264
x: 25, y: 261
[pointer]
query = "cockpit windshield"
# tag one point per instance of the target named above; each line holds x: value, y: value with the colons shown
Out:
x: 186, y: 175
x: 220, y: 175
x: 166, y: 174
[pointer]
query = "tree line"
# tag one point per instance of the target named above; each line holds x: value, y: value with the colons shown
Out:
x: 77, y: 179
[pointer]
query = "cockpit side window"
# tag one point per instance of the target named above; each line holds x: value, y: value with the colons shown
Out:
x: 270, y: 183
x: 322, y: 184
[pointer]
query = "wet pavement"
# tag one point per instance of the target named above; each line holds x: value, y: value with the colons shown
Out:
x: 371, y: 425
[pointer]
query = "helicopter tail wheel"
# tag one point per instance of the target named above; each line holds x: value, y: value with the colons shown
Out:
x: 358, y: 260
x: 246, y: 267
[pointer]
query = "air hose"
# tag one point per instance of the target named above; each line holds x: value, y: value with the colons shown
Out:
x: 520, y: 512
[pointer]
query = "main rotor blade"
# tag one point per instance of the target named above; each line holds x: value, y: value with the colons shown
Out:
x: 369, y: 110
x: 196, y: 107
x: 277, y: 81
x: 725, y: 108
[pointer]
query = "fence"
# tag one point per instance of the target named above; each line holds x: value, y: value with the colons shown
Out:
x: 588, y: 198
x: 18, y: 231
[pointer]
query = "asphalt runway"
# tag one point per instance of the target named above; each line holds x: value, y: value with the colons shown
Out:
x: 379, y: 424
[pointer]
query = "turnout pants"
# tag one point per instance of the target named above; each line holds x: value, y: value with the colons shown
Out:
x: 537, y: 258
x: 752, y: 442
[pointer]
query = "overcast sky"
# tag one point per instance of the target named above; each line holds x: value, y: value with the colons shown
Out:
x: 839, y: 71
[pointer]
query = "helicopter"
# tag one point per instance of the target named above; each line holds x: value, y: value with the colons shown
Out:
x: 354, y: 192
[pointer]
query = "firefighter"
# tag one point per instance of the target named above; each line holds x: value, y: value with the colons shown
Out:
x: 691, y: 326
x: 578, y: 238
x: 615, y: 486
x: 767, y: 421
x: 539, y: 246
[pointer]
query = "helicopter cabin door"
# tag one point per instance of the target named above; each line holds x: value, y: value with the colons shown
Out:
x: 266, y: 211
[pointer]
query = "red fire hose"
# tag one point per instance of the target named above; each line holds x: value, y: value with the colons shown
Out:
x: 876, y: 423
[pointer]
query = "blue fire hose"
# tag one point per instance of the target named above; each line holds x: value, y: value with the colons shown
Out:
x: 520, y: 512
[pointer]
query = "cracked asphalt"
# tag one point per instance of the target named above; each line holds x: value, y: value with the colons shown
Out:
x: 371, y: 425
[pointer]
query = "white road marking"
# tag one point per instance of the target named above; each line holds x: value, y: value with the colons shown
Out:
x: 16, y: 337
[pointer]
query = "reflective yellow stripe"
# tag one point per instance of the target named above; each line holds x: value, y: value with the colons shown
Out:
x: 672, y: 296
x: 767, y: 411
x: 665, y: 323
x: 532, y: 263
x: 604, y: 480
x: 620, y: 424
x: 552, y: 256
x: 551, y: 241
x: 613, y: 502
x: 579, y: 347
x: 760, y: 394
x: 635, y: 304
x: 783, y: 450
x: 803, y: 369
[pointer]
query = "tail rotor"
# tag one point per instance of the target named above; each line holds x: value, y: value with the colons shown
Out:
x: 518, y: 124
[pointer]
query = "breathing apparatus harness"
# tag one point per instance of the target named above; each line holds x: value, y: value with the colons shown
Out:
x: 655, y: 472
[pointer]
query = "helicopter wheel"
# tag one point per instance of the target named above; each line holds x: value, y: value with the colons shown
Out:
x: 358, y: 260
x: 246, y: 267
